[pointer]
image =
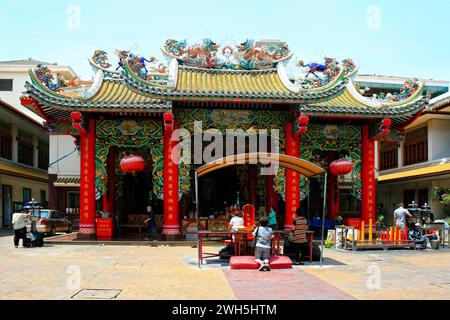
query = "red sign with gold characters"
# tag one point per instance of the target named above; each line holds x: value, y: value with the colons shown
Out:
x: 368, y: 191
x: 249, y: 218
x: 292, y: 179
x: 171, y: 224
x: 104, y: 228
x: 371, y: 180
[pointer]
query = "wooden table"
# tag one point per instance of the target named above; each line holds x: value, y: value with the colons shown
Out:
x: 237, y: 235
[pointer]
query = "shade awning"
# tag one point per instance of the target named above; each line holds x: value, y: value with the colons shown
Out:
x: 303, y: 167
x: 435, y: 170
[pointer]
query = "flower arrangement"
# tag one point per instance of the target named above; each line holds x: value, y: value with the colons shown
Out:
x: 442, y: 195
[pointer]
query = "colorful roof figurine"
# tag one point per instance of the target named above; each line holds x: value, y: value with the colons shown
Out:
x: 246, y: 73
x: 156, y: 74
x: 104, y: 94
x: 208, y: 72
x: 246, y: 56
x: 351, y: 103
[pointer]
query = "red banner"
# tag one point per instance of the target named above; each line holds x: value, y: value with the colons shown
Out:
x: 171, y: 222
x: 292, y: 190
x: 249, y: 218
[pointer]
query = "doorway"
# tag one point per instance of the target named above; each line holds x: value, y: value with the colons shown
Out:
x: 219, y: 190
x: 6, y: 205
x: 136, y: 194
x: 313, y: 204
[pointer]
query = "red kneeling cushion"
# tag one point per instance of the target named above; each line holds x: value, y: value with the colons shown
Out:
x: 244, y: 262
x: 282, y: 262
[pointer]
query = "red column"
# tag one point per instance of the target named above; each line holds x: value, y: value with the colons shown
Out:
x: 109, y: 199
x: 292, y: 180
x: 271, y: 195
x: 87, y: 183
x: 253, y: 184
x: 368, y: 206
x: 171, y: 221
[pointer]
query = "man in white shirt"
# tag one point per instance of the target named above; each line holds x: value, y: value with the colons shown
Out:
x: 400, y: 216
x: 236, y: 222
x: 19, y: 222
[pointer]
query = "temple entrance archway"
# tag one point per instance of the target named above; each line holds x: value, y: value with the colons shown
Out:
x: 302, y: 167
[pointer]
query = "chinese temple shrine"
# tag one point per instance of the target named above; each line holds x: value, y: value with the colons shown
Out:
x: 134, y: 108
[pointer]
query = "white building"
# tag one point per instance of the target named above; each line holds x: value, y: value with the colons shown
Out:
x: 23, y: 162
x: 410, y: 170
x: 13, y: 75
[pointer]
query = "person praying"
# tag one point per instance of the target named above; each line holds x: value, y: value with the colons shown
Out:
x: 263, y: 244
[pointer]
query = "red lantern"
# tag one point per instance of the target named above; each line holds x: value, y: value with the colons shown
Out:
x: 341, y: 167
x: 132, y: 164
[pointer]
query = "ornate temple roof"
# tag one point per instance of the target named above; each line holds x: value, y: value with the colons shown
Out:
x: 351, y: 103
x: 242, y: 74
x: 106, y: 94
x: 264, y: 86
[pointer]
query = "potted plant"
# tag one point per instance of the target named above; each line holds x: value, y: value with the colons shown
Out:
x: 380, y: 222
x: 443, y: 196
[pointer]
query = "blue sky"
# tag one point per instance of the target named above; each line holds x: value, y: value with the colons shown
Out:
x: 410, y: 38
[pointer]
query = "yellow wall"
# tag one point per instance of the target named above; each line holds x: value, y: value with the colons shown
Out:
x: 17, y: 189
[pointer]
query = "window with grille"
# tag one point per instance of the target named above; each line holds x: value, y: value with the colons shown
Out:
x: 43, y: 156
x: 416, y: 147
x: 44, y: 202
x: 25, y: 153
x: 388, y: 156
x: 408, y: 197
x: 26, y: 192
x: 5, y: 146
x: 416, y: 152
x: 6, y: 85
x: 423, y: 197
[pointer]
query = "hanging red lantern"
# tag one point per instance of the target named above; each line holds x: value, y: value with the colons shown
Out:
x: 132, y: 164
x: 341, y: 167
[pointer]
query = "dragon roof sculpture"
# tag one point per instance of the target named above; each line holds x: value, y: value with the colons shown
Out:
x: 209, y: 55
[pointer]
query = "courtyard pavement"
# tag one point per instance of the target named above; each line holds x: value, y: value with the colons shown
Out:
x: 156, y: 273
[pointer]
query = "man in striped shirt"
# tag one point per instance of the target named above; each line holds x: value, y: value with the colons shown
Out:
x: 299, y: 239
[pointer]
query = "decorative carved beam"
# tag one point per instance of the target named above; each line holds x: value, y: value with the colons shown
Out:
x: 303, y: 122
x: 77, y: 122
x: 168, y: 121
x: 385, y: 128
x: 31, y: 102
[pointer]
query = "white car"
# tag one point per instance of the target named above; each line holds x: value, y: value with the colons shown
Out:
x: 51, y: 222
